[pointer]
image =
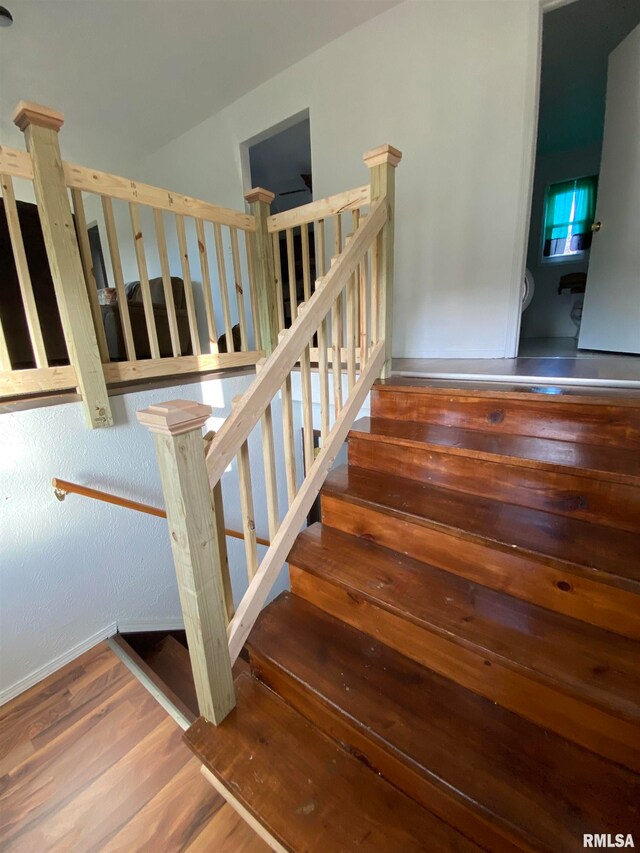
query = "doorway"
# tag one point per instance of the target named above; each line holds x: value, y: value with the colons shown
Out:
x: 279, y: 160
x: 577, y: 40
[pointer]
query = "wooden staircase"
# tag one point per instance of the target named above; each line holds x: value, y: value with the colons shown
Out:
x: 456, y: 666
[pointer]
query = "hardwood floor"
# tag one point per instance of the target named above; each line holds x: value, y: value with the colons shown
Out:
x: 90, y: 761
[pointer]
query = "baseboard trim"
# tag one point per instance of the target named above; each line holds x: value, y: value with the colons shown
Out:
x: 153, y: 623
x: 57, y: 663
x: 443, y: 352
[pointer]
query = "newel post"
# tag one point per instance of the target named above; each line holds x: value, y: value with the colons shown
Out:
x: 40, y: 126
x: 382, y: 163
x: 177, y: 432
x: 264, y: 268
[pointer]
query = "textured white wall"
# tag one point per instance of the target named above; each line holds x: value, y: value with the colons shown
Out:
x: 452, y: 84
x: 69, y: 571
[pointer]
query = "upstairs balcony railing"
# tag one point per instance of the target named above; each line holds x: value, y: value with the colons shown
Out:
x: 180, y: 295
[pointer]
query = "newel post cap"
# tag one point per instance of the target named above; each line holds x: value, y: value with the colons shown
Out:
x: 381, y: 155
x: 175, y: 417
x: 26, y: 113
x: 259, y: 194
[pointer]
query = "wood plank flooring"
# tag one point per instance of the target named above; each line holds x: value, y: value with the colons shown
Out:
x: 90, y: 762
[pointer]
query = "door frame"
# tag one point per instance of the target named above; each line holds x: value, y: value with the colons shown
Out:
x: 519, y: 262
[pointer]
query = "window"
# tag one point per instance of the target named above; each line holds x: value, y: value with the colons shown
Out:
x: 570, y: 208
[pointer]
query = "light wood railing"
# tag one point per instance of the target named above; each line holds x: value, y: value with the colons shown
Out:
x: 147, y: 233
x: 344, y: 313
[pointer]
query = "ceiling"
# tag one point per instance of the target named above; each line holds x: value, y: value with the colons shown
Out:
x: 130, y: 75
x: 576, y: 42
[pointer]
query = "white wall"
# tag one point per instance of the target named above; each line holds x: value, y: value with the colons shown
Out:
x: 70, y: 571
x: 549, y: 314
x: 453, y: 85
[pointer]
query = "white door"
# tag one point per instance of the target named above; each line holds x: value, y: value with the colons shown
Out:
x: 611, y: 314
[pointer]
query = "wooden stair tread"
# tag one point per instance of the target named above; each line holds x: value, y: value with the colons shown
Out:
x: 594, y: 395
x: 612, y: 555
x: 589, y: 663
x: 594, y: 416
x: 309, y: 793
x: 539, y: 787
x: 611, y: 463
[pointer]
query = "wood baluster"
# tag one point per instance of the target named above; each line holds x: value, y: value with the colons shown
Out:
x: 220, y: 543
x: 24, y: 279
x: 141, y: 258
x: 278, y: 273
x: 269, y: 457
x: 336, y: 354
x: 206, y: 286
x: 167, y: 286
x: 188, y: 285
x: 291, y: 266
x: 357, y: 218
x: 323, y: 370
x: 224, y: 293
x: 339, y: 307
x: 89, y: 275
x: 116, y: 266
x: 364, y: 306
x: 193, y: 533
x: 307, y: 403
x: 375, y: 292
x: 248, y: 512
x: 287, y: 434
x: 306, y: 262
x: 237, y: 275
x: 351, y: 332
x: 255, y: 316
x: 5, y: 361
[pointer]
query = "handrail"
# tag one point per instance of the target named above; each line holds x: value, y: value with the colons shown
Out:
x: 62, y: 488
x: 253, y: 403
x: 320, y: 209
x: 19, y: 164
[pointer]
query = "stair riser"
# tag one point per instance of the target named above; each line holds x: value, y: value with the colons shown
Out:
x: 485, y: 674
x: 568, y: 494
x: 431, y: 793
x: 530, y: 577
x: 617, y: 426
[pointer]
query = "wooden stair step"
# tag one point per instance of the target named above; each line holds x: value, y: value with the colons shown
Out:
x: 615, y: 464
x: 584, y: 570
x: 500, y: 779
x: 305, y: 790
x: 600, y: 417
x: 592, y: 483
x: 578, y: 680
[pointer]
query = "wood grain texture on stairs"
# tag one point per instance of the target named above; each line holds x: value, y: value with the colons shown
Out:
x: 461, y: 632
x: 584, y: 570
x: 595, y: 484
x: 478, y: 765
x: 609, y: 419
x: 545, y: 670
x: 308, y: 792
x: 595, y: 666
